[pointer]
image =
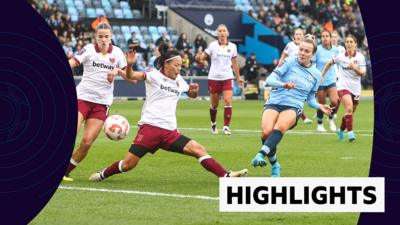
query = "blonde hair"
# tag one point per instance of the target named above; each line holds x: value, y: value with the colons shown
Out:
x: 102, y: 26
x: 309, y: 38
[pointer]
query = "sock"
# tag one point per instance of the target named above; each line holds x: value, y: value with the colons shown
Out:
x: 272, y: 159
x: 320, y: 116
x: 227, y: 115
x: 213, y: 166
x: 115, y: 168
x: 343, y: 124
x: 269, y: 147
x: 71, y: 166
x: 334, y: 106
x: 213, y: 114
x: 303, y: 116
x: 349, y: 122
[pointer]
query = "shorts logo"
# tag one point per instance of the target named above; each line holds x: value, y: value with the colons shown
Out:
x: 139, y: 138
x: 112, y: 60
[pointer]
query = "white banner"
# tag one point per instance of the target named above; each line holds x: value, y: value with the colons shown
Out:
x: 302, y: 194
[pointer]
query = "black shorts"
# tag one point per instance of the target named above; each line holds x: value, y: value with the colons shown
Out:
x: 320, y: 88
x: 176, y: 146
x: 281, y: 108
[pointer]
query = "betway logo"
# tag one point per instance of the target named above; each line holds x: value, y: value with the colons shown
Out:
x: 103, y: 66
x: 170, y: 89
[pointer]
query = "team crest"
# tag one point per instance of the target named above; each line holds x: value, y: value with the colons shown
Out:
x: 80, y: 52
x: 112, y: 60
x: 355, y: 62
x: 228, y: 50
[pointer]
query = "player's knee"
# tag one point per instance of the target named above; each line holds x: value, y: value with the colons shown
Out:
x: 196, y: 149
x: 349, y: 110
x: 128, y: 165
x: 265, y: 132
x: 87, y: 142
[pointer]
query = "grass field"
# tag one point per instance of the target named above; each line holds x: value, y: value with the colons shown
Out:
x: 302, y: 152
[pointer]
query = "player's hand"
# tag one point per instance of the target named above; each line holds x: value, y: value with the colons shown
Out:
x: 289, y: 85
x: 352, y: 66
x: 131, y: 57
x: 240, y: 82
x: 194, y: 87
x: 326, y: 109
x: 112, y: 74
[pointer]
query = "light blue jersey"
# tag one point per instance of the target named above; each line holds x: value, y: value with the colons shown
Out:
x: 306, y: 82
x: 322, y: 57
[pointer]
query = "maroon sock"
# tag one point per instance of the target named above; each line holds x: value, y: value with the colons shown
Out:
x: 111, y: 170
x: 213, y: 166
x: 349, y: 122
x: 213, y: 114
x: 69, y: 169
x: 303, y: 116
x: 227, y: 115
x: 343, y: 124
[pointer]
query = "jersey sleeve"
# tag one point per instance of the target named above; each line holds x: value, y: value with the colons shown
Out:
x: 234, y: 51
x: 363, y: 64
x: 282, y: 69
x: 286, y: 50
x: 183, y: 85
x: 208, y: 49
x: 82, y: 55
x: 121, y: 63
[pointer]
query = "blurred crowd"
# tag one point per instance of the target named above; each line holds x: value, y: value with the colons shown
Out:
x: 280, y: 15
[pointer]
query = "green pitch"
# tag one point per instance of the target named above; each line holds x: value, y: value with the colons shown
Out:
x: 127, y: 199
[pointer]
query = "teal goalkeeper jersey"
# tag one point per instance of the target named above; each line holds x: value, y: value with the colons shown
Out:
x: 322, y: 56
x: 306, y: 82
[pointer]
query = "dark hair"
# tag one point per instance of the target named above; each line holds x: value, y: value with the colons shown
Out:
x: 166, y: 53
x: 326, y: 30
x: 352, y: 37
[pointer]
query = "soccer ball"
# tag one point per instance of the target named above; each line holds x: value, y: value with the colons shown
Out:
x: 116, y: 127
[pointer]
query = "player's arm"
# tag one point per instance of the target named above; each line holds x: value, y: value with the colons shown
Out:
x: 73, y: 63
x: 193, y: 90
x: 122, y: 73
x: 129, y: 73
x: 200, y: 56
x: 236, y: 70
x: 283, y: 57
x: 359, y: 71
x: 326, y: 67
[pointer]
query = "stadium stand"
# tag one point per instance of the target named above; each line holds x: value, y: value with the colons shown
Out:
x: 70, y: 19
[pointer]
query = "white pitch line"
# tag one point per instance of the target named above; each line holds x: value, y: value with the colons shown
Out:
x: 138, y: 192
x: 366, y: 133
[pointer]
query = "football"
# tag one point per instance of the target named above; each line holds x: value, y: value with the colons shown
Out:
x: 116, y: 127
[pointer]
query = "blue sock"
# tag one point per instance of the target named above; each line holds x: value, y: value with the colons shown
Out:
x: 320, y: 116
x: 271, y: 143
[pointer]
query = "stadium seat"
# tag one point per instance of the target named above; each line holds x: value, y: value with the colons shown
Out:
x: 127, y: 13
x: 153, y: 30
x: 154, y: 37
x: 69, y: 3
x: 137, y: 14
x: 91, y: 13
x: 144, y: 29
x: 125, y: 29
x: 79, y: 6
x: 109, y: 13
x: 106, y: 4
x: 75, y: 18
x: 162, y: 29
x: 97, y: 4
x: 171, y: 30
x: 88, y: 3
x: 135, y: 29
x: 239, y: 8
x: 100, y: 12
x: 124, y: 5
x: 72, y: 10
x: 50, y: 2
x: 115, y: 4
x: 116, y: 29
x: 118, y: 13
